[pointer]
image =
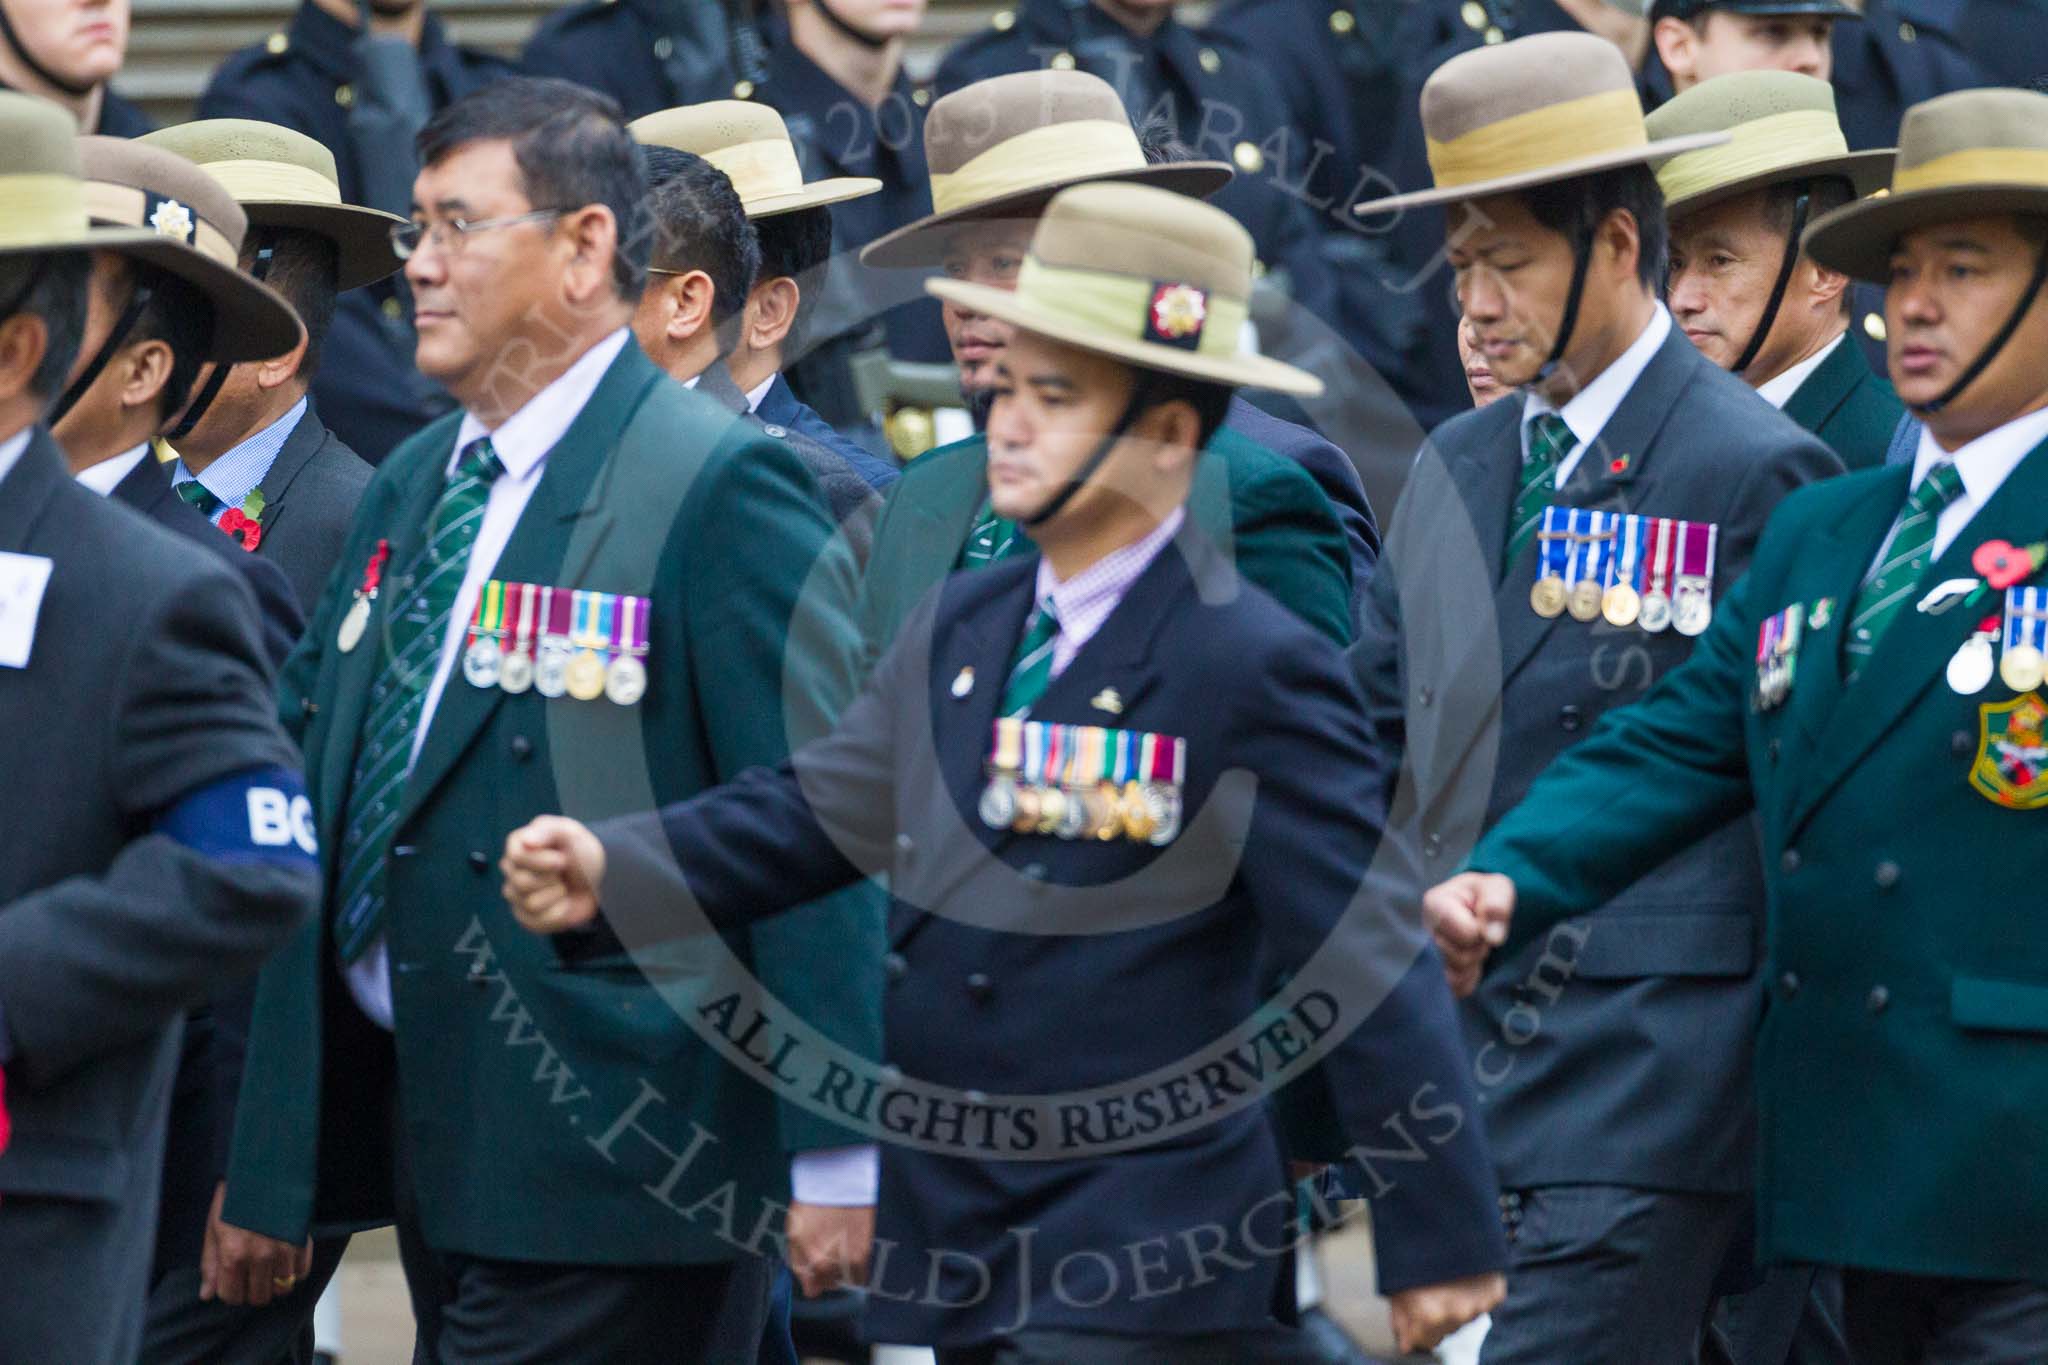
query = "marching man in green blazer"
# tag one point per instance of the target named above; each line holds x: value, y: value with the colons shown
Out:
x: 1873, y: 691
x: 587, y: 589
x: 1741, y: 288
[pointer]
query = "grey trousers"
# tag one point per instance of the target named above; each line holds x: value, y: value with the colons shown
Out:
x: 77, y: 1275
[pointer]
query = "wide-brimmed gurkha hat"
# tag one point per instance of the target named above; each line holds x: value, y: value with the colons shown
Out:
x: 1963, y: 155
x: 41, y: 183
x: 1549, y: 107
x: 195, y: 233
x: 284, y: 179
x: 751, y: 144
x: 1782, y: 128
x: 1142, y: 275
x: 1762, y: 9
x: 1002, y: 147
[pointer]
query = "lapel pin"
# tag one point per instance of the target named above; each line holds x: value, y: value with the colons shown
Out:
x: 1823, y: 612
x: 1108, y: 700
x: 1618, y: 465
x: 963, y: 682
x: 1944, y: 595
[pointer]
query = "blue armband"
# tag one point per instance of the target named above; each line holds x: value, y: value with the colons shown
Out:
x: 261, y: 815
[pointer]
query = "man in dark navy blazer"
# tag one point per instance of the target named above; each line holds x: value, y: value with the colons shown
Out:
x: 1613, y: 1057
x: 1070, y: 933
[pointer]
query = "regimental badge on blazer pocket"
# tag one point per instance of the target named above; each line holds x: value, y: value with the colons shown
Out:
x: 2011, y: 768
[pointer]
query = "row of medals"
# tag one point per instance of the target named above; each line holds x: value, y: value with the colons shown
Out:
x: 557, y: 668
x: 1622, y: 606
x: 2021, y: 668
x: 1143, y: 812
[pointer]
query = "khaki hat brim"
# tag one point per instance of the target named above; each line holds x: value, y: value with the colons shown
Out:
x: 1868, y: 172
x: 1545, y: 175
x: 251, y: 321
x: 1242, y: 371
x: 922, y: 243
x: 1857, y: 239
x: 816, y: 194
x: 361, y: 235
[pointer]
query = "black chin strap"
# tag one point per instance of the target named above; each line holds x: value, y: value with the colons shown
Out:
x: 1140, y: 397
x: 1770, y: 317
x: 41, y: 72
x: 866, y: 40
x: 123, y: 325
x: 266, y: 247
x: 1998, y: 343
x: 1582, y: 259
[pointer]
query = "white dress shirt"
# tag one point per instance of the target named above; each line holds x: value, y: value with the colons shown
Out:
x: 1984, y: 464
x: 1778, y: 392
x: 754, y: 395
x: 1592, y: 407
x: 104, y: 477
x: 843, y: 1176
x: 11, y: 449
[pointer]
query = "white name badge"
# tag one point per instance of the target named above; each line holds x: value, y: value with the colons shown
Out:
x: 22, y: 580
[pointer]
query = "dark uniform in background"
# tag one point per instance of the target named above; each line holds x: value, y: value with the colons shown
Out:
x: 306, y: 78
x: 650, y: 55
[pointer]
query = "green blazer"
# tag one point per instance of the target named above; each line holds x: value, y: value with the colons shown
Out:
x: 1259, y: 506
x: 1848, y: 405
x: 1902, y: 1060
x: 515, y: 1054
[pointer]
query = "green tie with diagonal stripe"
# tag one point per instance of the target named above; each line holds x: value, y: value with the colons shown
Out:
x: 200, y: 496
x: 415, y: 628
x: 1031, y: 669
x: 1901, y: 564
x: 1550, y: 438
x: 991, y: 538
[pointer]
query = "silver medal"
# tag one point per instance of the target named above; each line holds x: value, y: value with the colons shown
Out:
x: 480, y: 663
x: 999, y: 802
x: 1971, y: 668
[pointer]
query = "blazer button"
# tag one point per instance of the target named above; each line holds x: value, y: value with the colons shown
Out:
x: 403, y: 850
x: 1962, y: 744
x: 1788, y: 985
x: 1432, y: 845
x: 1879, y: 998
x: 308, y: 707
x: 1887, y: 875
x: 904, y: 844
x: 479, y: 861
x: 1571, y: 718
x: 522, y: 748
x: 477, y: 972
x: 979, y: 986
x: 1790, y: 861
x: 1426, y: 696
x: 1034, y: 872
x: 895, y: 966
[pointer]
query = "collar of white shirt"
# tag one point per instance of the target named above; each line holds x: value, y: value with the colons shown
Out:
x: 1778, y: 392
x: 754, y: 395
x: 1082, y: 603
x: 1984, y: 463
x: 105, y: 476
x: 1589, y: 410
x: 242, y: 468
x: 11, y: 449
x: 523, y: 440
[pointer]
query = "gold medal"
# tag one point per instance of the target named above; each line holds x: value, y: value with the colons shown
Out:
x: 1105, y: 812
x: 1585, y: 601
x: 1621, y: 605
x: 1052, y: 808
x: 1474, y: 14
x: 353, y: 625
x: 585, y: 678
x: 2021, y: 669
x: 1026, y: 817
x: 1138, y: 822
x: 1548, y: 597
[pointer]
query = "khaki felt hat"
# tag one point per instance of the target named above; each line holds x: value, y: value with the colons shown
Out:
x: 1782, y: 129
x: 284, y: 179
x: 1549, y: 107
x: 1960, y: 155
x: 1002, y: 147
x: 751, y: 144
x: 42, y: 189
x: 195, y: 234
x: 1181, y: 312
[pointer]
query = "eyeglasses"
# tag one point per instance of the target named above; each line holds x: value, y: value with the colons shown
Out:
x: 448, y: 236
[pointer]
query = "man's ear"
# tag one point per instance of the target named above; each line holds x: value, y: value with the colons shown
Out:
x: 1621, y: 236
x: 142, y: 370
x: 23, y: 340
x: 281, y: 369
x: 1825, y: 287
x: 1678, y: 45
x: 691, y: 296
x: 594, y: 240
x: 771, y: 312
x: 1175, y: 430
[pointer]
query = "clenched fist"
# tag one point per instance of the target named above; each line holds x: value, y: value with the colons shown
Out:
x: 1426, y: 1315
x: 1468, y: 917
x: 553, y: 868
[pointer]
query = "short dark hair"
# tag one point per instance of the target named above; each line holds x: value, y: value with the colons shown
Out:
x: 180, y: 315
x: 1824, y: 195
x: 1576, y: 207
x: 304, y: 267
x: 699, y: 225
x: 62, y: 280
x: 795, y: 244
x: 571, y: 147
x: 1211, y: 401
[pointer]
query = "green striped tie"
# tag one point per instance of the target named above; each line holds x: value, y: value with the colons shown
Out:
x: 414, y: 630
x: 1901, y: 564
x: 992, y: 538
x: 1031, y: 669
x: 200, y: 496
x: 1550, y: 438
